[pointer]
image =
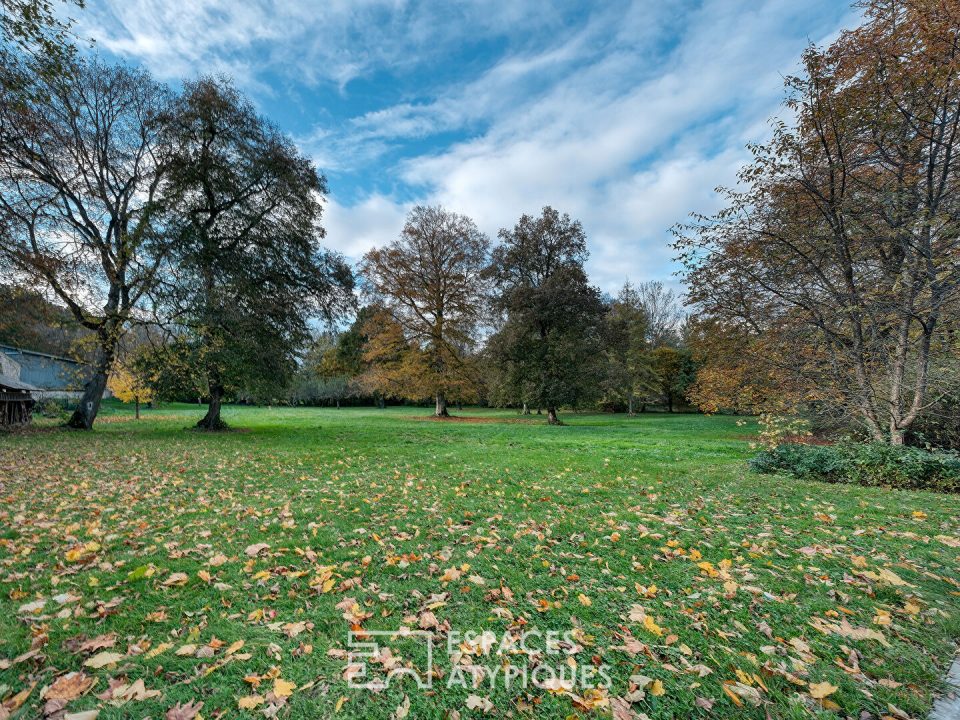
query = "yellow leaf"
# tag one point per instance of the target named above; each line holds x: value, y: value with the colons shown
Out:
x: 820, y: 690
x: 162, y: 647
x: 283, y: 688
x: 651, y: 625
x: 657, y: 689
x: 584, y: 600
x: 250, y: 702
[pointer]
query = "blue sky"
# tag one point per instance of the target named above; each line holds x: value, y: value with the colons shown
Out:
x: 624, y: 114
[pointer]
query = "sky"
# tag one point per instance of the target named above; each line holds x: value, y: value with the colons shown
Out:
x: 624, y: 114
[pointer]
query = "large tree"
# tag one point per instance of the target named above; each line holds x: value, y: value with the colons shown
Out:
x: 82, y: 168
x: 247, y: 268
x: 429, y: 280
x: 548, y: 344
x: 840, y: 253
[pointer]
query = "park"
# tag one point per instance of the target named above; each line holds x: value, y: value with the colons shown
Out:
x: 403, y: 359
x: 215, y: 569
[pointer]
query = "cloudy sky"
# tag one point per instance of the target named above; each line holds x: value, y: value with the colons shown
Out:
x: 624, y: 114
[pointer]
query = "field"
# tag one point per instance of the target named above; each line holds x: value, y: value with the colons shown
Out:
x: 164, y: 568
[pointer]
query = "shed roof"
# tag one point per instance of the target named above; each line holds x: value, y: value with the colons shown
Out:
x: 13, y: 350
x: 14, y: 384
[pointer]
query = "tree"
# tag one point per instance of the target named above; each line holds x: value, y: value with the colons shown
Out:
x: 131, y: 381
x: 663, y: 311
x: 29, y: 320
x: 841, y: 251
x: 248, y: 270
x: 548, y: 343
x: 34, y: 38
x: 673, y: 372
x: 82, y: 169
x: 429, y: 280
x: 629, y: 372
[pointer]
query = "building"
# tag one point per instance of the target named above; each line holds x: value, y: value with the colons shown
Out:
x: 46, y: 376
x: 16, y: 401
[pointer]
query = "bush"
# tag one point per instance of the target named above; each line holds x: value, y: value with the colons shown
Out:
x: 875, y: 464
x: 54, y: 408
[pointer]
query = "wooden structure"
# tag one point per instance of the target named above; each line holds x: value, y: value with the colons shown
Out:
x: 16, y: 402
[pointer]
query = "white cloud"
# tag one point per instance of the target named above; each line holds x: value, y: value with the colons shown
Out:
x: 627, y: 120
x: 354, y: 229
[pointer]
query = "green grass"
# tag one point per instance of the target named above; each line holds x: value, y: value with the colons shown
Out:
x: 385, y: 503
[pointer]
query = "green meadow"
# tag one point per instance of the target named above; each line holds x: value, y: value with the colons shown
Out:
x: 650, y: 571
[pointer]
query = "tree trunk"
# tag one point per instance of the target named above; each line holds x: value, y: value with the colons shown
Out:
x: 136, y: 406
x: 441, y: 409
x: 526, y: 409
x: 459, y: 405
x: 86, y: 412
x: 212, y: 421
x: 630, y: 406
x: 670, y: 403
x: 552, y: 418
x: 338, y: 403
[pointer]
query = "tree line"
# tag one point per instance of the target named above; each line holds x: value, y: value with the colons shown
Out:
x: 182, y: 230
x: 452, y: 317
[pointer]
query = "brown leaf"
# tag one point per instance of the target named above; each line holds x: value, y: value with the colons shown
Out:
x: 184, y: 712
x: 70, y: 686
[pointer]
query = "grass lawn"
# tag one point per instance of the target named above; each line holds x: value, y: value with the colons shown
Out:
x: 229, y: 568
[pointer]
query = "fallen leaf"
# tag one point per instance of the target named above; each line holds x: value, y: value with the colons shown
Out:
x: 103, y: 659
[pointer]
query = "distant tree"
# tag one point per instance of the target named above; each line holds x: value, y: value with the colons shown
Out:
x: 548, y: 344
x: 663, y: 310
x: 429, y: 281
x: 82, y: 167
x: 132, y: 381
x: 323, y: 377
x: 673, y: 371
x: 249, y: 271
x: 394, y: 366
x: 629, y: 373
x: 29, y: 320
x: 837, y: 257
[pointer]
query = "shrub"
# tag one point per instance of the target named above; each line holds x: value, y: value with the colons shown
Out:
x: 54, y: 408
x: 865, y: 464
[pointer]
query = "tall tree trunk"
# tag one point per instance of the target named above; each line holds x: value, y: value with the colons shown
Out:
x: 441, y: 409
x: 212, y: 421
x: 630, y: 406
x: 86, y: 412
x: 136, y: 406
x: 552, y: 418
x: 670, y: 402
x: 526, y: 409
